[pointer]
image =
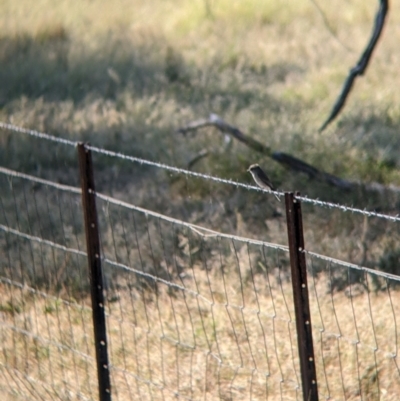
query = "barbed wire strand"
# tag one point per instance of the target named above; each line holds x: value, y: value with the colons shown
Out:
x: 61, y: 187
x: 205, y: 233
x: 202, y: 231
x: 353, y: 266
x: 110, y: 153
x: 37, y: 134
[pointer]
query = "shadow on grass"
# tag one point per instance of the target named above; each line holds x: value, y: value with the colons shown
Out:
x: 50, y: 65
x: 53, y: 66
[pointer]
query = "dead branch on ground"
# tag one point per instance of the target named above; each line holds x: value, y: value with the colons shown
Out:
x: 292, y: 163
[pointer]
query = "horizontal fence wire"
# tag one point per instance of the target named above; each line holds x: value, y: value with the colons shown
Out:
x: 190, y: 295
x: 305, y: 199
x: 45, y: 324
x: 198, y: 311
x: 355, y: 314
x: 150, y: 301
x: 191, y: 312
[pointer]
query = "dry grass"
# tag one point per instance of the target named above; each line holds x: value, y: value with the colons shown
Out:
x: 214, y: 340
x: 229, y: 334
x: 125, y: 75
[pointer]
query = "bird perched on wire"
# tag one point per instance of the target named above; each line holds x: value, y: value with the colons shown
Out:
x: 260, y: 178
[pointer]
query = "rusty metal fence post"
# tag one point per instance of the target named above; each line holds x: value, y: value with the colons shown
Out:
x: 95, y: 272
x: 300, y: 298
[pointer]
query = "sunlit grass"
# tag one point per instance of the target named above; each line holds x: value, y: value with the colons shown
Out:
x: 125, y: 75
x: 174, y: 342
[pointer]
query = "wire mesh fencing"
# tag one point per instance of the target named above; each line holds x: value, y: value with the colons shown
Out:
x: 189, y: 311
x: 194, y: 308
x: 203, y: 312
x: 355, y: 313
x: 46, y: 326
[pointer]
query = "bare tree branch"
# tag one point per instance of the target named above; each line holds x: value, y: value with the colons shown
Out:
x: 287, y: 160
x: 298, y: 165
x: 291, y: 162
x: 362, y: 64
x: 218, y: 122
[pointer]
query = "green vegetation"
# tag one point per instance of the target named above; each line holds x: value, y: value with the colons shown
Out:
x: 125, y: 76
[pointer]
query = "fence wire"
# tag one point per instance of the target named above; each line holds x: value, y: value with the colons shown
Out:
x: 46, y: 326
x: 355, y: 314
x: 203, y: 314
x: 192, y: 311
x: 188, y: 173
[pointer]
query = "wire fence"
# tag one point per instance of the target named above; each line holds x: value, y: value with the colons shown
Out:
x: 191, y: 310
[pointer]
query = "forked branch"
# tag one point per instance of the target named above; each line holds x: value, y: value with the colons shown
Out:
x: 292, y: 163
x: 362, y: 64
x: 285, y: 159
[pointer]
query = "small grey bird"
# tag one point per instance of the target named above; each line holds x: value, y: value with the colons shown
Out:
x: 261, y: 178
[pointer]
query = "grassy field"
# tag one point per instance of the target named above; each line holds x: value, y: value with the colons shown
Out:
x: 215, y: 340
x: 221, y: 324
x: 126, y: 75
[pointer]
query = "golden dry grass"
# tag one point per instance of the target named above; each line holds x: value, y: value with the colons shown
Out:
x: 227, y: 333
x: 99, y: 71
x: 125, y: 75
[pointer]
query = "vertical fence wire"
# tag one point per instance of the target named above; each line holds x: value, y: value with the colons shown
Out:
x: 44, y: 325
x: 190, y: 313
x: 202, y: 317
x: 355, y: 312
